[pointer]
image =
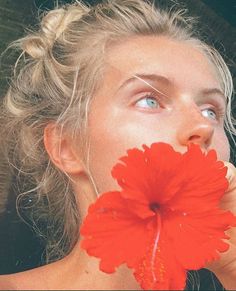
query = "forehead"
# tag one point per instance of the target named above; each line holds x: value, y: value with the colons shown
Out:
x: 178, y: 61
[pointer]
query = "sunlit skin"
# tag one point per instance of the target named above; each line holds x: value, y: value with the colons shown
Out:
x: 153, y: 89
x: 121, y: 119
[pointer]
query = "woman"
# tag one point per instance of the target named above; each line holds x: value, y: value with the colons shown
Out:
x: 91, y: 83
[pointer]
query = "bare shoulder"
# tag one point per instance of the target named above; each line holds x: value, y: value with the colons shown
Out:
x: 6, y: 282
x: 47, y: 277
x: 12, y: 281
x: 28, y: 280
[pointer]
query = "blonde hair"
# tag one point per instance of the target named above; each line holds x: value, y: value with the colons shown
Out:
x: 58, y: 70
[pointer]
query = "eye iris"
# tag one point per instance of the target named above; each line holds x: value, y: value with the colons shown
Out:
x: 151, y: 102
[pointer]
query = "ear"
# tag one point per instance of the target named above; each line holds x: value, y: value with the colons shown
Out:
x: 61, y: 151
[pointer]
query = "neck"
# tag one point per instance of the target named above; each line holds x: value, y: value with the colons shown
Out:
x: 80, y: 271
x: 83, y: 273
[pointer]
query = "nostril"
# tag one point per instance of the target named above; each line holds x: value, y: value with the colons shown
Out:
x: 203, y: 141
x: 194, y: 138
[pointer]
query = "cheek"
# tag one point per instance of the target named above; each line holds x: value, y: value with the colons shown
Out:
x: 106, y: 147
x: 222, y: 146
x: 109, y: 140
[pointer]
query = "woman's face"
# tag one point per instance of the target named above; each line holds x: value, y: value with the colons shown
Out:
x: 127, y: 111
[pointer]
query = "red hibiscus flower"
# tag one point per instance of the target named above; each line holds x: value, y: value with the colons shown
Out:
x: 166, y: 218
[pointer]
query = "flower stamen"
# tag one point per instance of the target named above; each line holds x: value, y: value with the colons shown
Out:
x: 154, y: 251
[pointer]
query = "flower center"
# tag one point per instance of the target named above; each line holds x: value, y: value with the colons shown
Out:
x: 154, y: 207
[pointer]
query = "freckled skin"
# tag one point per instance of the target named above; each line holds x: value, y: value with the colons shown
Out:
x: 116, y: 124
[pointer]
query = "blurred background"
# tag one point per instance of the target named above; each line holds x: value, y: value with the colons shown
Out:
x: 19, y: 248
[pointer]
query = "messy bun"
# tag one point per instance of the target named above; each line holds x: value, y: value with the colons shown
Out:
x: 58, y: 70
x: 52, y: 27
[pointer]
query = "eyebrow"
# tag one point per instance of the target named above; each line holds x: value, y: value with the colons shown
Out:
x: 214, y: 91
x: 168, y: 82
x: 146, y: 77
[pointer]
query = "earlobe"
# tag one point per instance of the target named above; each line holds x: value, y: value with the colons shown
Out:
x: 59, y: 147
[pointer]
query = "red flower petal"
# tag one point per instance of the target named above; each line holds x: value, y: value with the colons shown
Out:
x: 168, y: 207
x: 114, y: 234
x: 133, y: 172
x: 203, y: 233
x: 149, y: 172
x: 137, y: 204
x: 202, y: 180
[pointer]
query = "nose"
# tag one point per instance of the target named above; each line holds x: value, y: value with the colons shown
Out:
x: 195, y: 128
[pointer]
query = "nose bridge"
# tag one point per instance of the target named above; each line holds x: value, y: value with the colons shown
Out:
x: 193, y: 126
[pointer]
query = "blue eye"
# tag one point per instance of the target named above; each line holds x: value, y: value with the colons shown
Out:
x: 209, y: 113
x: 148, y: 102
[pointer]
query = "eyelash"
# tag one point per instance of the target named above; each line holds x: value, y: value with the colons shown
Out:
x: 217, y: 109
